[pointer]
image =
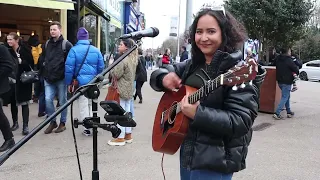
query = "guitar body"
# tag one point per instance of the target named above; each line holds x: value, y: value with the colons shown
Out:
x: 170, y: 127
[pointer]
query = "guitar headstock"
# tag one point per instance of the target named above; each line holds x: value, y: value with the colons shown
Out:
x: 239, y: 75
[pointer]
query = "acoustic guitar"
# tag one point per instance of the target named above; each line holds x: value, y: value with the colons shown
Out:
x: 171, y: 126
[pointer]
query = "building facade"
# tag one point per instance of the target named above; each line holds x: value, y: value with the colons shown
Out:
x: 29, y: 17
x: 131, y: 18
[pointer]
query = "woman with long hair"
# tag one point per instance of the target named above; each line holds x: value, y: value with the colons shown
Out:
x: 124, y: 75
x: 220, y: 124
x: 21, y: 93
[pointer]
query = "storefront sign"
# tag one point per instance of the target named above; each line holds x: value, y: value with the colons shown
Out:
x: 115, y: 9
x: 142, y: 21
x: 133, y: 20
x: 174, y: 26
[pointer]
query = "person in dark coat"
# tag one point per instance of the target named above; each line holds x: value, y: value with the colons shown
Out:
x: 21, y: 93
x: 141, y: 76
x: 6, y: 68
x: 220, y: 123
x: 285, y: 70
x: 184, y: 54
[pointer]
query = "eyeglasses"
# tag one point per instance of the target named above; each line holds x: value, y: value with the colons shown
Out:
x: 214, y: 7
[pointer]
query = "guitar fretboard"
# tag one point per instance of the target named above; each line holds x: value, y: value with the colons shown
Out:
x: 206, y: 89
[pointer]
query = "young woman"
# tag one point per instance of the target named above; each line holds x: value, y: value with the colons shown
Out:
x: 21, y: 93
x: 124, y: 75
x: 220, y: 131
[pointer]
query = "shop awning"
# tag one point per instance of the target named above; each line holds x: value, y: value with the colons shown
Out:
x: 49, y: 4
x: 115, y: 22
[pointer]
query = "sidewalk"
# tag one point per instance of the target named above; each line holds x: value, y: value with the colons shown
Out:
x: 285, y: 150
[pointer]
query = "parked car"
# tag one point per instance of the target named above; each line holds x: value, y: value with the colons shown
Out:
x: 310, y: 71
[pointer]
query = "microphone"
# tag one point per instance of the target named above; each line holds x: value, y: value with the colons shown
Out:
x: 123, y: 120
x: 149, y: 32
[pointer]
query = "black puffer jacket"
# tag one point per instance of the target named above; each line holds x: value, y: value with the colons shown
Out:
x: 285, y: 66
x: 219, y: 135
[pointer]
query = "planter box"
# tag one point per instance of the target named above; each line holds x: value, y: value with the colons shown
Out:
x: 270, y: 93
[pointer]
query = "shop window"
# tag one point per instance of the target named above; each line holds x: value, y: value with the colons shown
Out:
x: 114, y: 34
x: 104, y: 38
x: 90, y: 23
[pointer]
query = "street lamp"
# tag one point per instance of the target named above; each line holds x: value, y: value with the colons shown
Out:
x: 178, y: 34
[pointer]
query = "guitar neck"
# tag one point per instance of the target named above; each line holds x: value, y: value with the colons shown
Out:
x: 210, y: 86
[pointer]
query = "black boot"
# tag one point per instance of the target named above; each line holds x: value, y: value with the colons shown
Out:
x: 15, y: 126
x: 25, y: 116
x: 25, y: 130
x: 7, y: 145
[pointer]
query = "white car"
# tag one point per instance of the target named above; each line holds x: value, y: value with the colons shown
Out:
x: 310, y: 71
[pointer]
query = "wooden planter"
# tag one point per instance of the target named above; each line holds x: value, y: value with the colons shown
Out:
x: 270, y: 93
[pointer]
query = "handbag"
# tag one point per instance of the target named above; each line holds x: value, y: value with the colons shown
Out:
x: 75, y: 84
x: 28, y: 77
x: 113, y: 93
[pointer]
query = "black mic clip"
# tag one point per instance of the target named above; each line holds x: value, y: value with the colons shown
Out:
x: 91, y: 122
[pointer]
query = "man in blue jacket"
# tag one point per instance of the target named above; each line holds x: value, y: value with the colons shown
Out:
x: 83, y: 63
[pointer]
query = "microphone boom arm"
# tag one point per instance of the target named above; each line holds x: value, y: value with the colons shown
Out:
x: 98, y: 79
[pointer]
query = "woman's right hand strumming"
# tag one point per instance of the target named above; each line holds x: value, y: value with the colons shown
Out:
x: 171, y: 81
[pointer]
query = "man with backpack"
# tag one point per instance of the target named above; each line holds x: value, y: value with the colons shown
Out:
x: 53, y: 60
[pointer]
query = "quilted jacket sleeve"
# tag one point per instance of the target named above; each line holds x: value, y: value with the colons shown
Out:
x: 70, y: 66
x: 240, y: 108
x: 100, y: 63
x: 118, y: 70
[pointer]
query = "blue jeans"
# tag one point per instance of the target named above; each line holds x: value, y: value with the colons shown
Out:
x: 50, y: 92
x: 42, y: 103
x: 186, y: 174
x: 285, y: 98
x: 125, y: 104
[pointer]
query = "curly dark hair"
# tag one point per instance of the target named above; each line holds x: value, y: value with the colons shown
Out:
x: 233, y: 32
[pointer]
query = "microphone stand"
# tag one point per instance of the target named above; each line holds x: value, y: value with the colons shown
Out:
x: 98, y: 79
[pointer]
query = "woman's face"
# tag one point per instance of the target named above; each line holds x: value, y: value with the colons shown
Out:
x: 208, y: 35
x: 11, y: 41
x: 122, y: 48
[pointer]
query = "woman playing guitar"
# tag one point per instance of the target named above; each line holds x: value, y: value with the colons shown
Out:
x: 220, y: 131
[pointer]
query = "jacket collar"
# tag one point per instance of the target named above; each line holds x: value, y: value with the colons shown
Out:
x: 59, y: 39
x: 83, y: 42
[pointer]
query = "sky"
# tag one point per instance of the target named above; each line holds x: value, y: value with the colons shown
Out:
x: 158, y: 14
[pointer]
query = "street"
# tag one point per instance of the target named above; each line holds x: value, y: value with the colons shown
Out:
x: 284, y: 150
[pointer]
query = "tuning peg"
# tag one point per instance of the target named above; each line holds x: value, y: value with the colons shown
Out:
x: 242, y: 85
x: 234, y: 88
x: 250, y: 83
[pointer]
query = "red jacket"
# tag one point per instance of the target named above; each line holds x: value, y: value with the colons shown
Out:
x: 165, y: 59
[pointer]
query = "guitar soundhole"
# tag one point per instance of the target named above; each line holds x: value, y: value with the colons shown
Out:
x: 171, y: 115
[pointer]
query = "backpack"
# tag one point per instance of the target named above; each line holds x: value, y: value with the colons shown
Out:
x: 64, y: 46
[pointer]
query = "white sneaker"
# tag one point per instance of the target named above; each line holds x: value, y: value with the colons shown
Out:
x: 117, y: 142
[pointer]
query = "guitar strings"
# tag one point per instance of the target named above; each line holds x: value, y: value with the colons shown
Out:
x: 207, y: 83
